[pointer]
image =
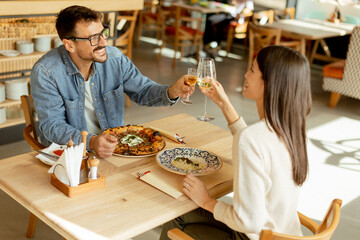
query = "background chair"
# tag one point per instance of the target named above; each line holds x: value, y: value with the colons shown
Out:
x: 324, y: 231
x: 149, y: 20
x: 263, y: 17
x: 343, y: 77
x: 126, y: 22
x: 182, y: 34
x: 31, y: 138
x: 260, y: 37
x: 238, y: 31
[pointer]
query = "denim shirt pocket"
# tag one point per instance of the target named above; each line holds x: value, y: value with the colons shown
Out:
x: 75, y: 112
x: 114, y: 103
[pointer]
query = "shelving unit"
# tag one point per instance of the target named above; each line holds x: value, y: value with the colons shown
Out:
x: 16, y: 67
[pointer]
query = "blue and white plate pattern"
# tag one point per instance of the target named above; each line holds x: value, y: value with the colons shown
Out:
x: 165, y: 158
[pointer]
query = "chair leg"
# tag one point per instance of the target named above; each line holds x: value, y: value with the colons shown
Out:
x: 334, y: 99
x: 31, y: 226
x: 128, y: 102
x: 229, y: 40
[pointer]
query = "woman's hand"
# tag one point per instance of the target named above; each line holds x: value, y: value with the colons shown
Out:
x: 180, y: 88
x: 217, y: 93
x: 195, y: 189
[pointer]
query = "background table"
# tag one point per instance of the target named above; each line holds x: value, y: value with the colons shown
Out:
x: 313, y: 29
x: 127, y: 206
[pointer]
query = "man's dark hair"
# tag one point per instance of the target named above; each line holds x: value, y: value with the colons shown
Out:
x: 68, y: 17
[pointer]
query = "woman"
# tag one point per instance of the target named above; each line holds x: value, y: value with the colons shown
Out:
x: 269, y: 157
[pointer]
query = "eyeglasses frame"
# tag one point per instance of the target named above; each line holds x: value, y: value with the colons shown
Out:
x: 101, y: 34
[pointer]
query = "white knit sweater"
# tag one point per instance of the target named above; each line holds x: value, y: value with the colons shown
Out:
x: 265, y: 195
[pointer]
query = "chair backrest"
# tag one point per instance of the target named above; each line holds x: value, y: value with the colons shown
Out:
x: 287, y: 13
x: 352, y: 62
x: 126, y: 26
x: 322, y: 232
x: 30, y: 134
x: 263, y: 17
x: 260, y: 37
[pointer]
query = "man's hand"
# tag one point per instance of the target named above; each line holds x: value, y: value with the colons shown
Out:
x: 103, y: 144
x: 180, y: 88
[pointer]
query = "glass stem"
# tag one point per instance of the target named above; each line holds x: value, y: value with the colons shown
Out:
x: 205, y: 114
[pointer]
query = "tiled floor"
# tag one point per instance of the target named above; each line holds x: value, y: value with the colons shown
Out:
x: 334, y: 143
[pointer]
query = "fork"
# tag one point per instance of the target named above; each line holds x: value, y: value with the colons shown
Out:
x: 140, y: 174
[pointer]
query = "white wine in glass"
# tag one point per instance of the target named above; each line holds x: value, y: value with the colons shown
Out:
x: 206, y: 72
x: 191, y: 79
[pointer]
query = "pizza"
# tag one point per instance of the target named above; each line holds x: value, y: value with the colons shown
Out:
x: 136, y: 140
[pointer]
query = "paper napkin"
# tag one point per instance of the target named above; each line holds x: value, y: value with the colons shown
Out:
x: 67, y: 168
x: 49, y: 150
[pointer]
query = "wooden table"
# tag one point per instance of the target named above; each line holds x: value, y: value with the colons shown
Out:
x: 313, y: 29
x: 126, y: 207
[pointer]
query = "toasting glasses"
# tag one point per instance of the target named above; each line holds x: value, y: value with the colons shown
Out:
x: 206, y: 72
x: 191, y: 80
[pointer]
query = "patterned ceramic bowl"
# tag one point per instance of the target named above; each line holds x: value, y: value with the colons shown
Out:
x: 206, y: 162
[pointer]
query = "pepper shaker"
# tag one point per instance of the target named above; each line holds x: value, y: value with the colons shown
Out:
x: 94, y: 163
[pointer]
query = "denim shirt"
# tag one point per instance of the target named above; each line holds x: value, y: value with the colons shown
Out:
x: 58, y: 90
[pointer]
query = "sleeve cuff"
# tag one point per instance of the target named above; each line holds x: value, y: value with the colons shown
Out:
x: 172, y: 101
x: 238, y: 125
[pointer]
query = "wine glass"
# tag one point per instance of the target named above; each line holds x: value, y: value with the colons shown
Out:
x: 206, y: 72
x: 191, y: 80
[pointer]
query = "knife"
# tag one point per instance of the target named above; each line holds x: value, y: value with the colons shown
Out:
x: 172, y: 136
x: 47, y: 154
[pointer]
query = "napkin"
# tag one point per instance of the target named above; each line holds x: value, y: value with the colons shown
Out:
x: 171, y: 183
x: 49, y: 150
x: 67, y: 168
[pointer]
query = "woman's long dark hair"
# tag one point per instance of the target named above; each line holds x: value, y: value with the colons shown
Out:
x: 287, y: 101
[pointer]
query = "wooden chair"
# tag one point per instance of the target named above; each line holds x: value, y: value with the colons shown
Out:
x: 260, y: 37
x: 262, y: 17
x: 31, y: 138
x: 182, y: 34
x: 149, y: 20
x: 237, y: 30
x: 343, y: 77
x: 287, y: 13
x: 324, y: 231
x: 126, y: 22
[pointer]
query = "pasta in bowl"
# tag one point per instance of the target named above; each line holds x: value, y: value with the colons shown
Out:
x: 182, y: 160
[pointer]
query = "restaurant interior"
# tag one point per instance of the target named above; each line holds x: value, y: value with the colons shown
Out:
x: 333, y: 125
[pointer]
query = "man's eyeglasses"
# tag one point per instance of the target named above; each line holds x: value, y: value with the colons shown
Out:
x: 94, y: 39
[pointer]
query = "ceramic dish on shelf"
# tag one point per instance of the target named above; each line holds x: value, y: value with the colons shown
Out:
x: 2, y: 115
x: 15, y: 88
x: 9, y: 53
x: 25, y: 47
x: 2, y: 92
x: 182, y: 160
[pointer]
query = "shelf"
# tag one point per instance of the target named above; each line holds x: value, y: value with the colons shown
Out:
x: 8, y: 103
x: 12, y: 122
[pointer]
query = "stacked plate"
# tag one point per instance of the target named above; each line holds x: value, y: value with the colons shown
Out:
x: 2, y: 92
x: 2, y: 115
x: 15, y: 88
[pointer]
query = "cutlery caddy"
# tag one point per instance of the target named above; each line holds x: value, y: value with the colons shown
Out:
x: 90, y: 185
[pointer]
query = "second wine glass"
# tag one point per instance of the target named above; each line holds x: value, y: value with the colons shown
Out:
x: 191, y: 80
x: 206, y: 72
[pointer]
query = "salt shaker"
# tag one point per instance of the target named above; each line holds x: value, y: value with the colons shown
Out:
x: 94, y: 163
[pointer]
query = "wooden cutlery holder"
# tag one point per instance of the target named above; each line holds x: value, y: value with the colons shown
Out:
x: 90, y: 185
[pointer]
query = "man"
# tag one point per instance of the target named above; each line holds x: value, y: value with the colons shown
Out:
x: 80, y: 85
x: 217, y: 24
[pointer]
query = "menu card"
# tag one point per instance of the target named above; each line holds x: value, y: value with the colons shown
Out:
x: 171, y: 183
